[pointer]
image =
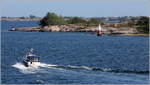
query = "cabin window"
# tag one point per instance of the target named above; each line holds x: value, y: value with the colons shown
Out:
x: 33, y: 59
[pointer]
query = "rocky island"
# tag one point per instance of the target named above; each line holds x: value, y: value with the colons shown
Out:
x: 76, y: 28
x: 54, y: 23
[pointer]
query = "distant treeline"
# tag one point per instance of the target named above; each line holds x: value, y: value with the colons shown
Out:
x: 23, y: 17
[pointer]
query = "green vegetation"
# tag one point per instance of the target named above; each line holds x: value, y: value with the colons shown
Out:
x: 32, y: 16
x: 52, y: 19
x: 94, y: 21
x: 131, y: 23
x: 76, y: 20
x: 140, y: 23
x: 143, y: 24
x: 22, y: 17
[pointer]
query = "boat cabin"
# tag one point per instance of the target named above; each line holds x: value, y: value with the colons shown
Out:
x: 33, y: 58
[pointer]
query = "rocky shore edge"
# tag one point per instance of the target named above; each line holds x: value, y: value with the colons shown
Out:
x: 75, y: 28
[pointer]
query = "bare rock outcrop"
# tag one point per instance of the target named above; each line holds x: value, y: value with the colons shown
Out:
x: 76, y: 28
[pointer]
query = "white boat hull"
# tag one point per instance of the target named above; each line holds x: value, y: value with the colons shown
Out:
x: 31, y: 64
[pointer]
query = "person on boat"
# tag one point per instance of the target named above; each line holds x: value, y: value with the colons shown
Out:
x: 30, y: 53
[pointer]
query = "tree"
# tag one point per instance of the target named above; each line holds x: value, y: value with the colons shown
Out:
x: 143, y: 24
x: 32, y: 16
x: 52, y: 19
x: 131, y: 22
x: 94, y: 21
x: 22, y: 17
x: 76, y: 20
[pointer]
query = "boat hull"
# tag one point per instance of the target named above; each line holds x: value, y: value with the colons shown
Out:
x: 31, y: 64
x: 99, y: 33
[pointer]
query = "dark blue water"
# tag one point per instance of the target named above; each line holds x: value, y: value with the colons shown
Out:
x: 73, y: 58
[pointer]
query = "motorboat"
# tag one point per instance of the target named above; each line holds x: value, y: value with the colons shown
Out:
x: 31, y: 60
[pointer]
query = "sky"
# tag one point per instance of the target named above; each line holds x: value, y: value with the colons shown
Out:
x: 82, y: 8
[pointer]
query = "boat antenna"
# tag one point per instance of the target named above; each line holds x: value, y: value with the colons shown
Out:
x: 31, y: 50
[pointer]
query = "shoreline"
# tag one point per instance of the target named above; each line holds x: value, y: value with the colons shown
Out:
x: 78, y: 28
x: 93, y: 32
x: 139, y: 34
x: 21, y: 19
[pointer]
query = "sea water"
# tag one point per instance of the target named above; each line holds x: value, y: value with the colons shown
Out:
x: 72, y: 57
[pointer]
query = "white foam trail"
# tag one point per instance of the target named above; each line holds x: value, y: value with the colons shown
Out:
x: 37, y: 69
x: 80, y: 67
x: 32, y: 70
x: 19, y: 66
x: 46, y: 65
x: 26, y: 70
x: 85, y: 67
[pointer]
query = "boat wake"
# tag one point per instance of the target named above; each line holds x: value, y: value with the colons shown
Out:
x: 41, y: 66
x: 26, y: 70
x: 36, y: 69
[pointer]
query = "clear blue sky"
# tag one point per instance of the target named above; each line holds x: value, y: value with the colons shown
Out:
x: 83, y: 8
